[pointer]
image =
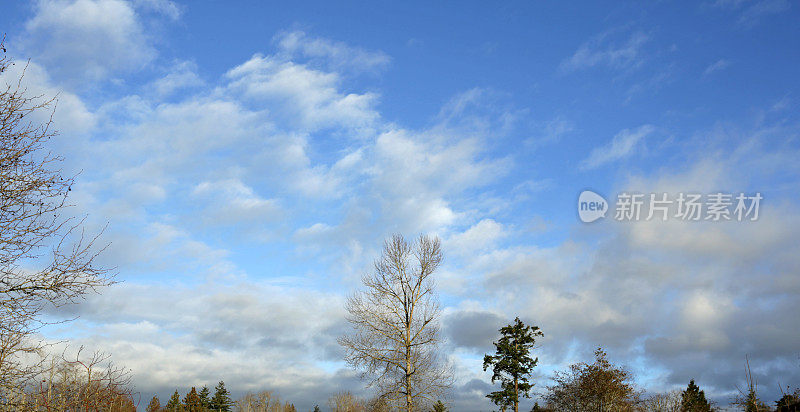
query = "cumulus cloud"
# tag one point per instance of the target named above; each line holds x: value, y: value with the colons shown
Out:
x: 182, y: 75
x: 166, y: 7
x: 71, y: 115
x: 678, y: 296
x: 473, y: 329
x: 171, y: 166
x: 176, y: 336
x: 309, y: 98
x: 88, y: 39
x: 231, y: 201
x: 479, y: 236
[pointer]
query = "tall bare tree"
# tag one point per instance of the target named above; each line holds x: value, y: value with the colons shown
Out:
x: 395, y: 317
x: 45, y: 258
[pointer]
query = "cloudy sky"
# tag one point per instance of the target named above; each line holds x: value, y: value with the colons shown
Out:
x: 248, y: 159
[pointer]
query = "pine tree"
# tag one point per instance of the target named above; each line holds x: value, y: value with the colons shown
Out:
x: 439, y: 407
x: 192, y: 401
x: 174, y: 404
x: 205, y: 397
x: 154, y: 406
x: 693, y: 399
x: 512, y: 363
x: 537, y: 408
x: 222, y: 400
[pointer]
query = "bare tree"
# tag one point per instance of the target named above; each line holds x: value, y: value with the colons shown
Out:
x: 663, y: 402
x: 395, y: 325
x: 264, y: 401
x: 346, y: 402
x: 45, y: 258
x: 748, y: 400
x: 79, y: 383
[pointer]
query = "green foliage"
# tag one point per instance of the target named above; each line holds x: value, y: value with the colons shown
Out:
x: 439, y: 407
x: 694, y: 400
x: 512, y: 363
x: 222, y: 399
x: 537, y: 408
x: 174, y: 404
x: 205, y: 397
x: 317, y: 409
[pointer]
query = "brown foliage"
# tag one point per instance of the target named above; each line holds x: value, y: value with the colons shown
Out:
x: 600, y: 386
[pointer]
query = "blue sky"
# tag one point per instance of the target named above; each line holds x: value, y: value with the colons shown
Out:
x: 249, y: 158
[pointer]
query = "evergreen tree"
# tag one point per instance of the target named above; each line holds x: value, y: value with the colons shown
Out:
x: 439, y: 407
x: 222, y: 400
x: 512, y: 363
x: 205, y: 397
x: 752, y: 403
x: 694, y: 400
x: 174, y: 404
x: 154, y: 406
x: 537, y: 408
x: 192, y: 401
x: 316, y: 408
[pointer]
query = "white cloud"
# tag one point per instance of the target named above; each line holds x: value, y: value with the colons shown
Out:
x: 760, y: 9
x: 88, y: 39
x: 337, y: 55
x: 687, y: 298
x: 231, y: 201
x: 752, y: 12
x: 479, y: 236
x: 601, y: 51
x: 166, y: 7
x: 310, y: 99
x: 243, y: 333
x: 71, y: 116
x: 254, y: 147
x: 180, y: 76
x: 621, y: 146
x: 716, y: 66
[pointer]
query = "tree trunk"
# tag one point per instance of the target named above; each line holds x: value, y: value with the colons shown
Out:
x: 409, y: 406
x: 516, y: 385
